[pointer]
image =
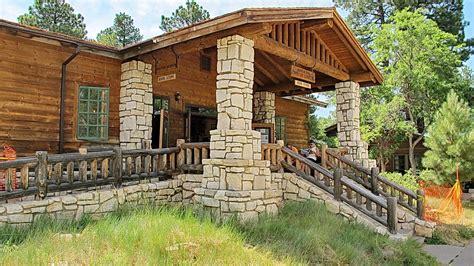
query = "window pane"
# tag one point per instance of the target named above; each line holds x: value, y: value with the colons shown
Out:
x: 82, y: 132
x: 93, y: 107
x: 84, y: 93
x: 93, y: 113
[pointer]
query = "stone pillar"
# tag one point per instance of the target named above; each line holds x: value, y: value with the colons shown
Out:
x: 264, y: 107
x: 235, y: 179
x: 348, y: 122
x: 136, y: 104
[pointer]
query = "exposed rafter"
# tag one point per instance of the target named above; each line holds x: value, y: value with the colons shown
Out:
x: 267, y: 73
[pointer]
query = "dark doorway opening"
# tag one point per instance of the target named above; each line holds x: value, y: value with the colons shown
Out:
x: 199, y: 122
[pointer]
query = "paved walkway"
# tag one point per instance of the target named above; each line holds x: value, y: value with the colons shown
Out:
x: 452, y: 255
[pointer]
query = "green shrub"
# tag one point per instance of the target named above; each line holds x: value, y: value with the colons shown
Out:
x: 407, y: 180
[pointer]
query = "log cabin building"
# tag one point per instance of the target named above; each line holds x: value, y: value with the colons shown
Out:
x: 249, y: 69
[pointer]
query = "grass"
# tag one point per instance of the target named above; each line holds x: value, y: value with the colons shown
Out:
x: 303, y: 233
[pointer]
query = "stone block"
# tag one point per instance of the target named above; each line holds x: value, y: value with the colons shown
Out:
x: 13, y: 208
x: 210, y: 202
x: 236, y: 206
x: 20, y: 218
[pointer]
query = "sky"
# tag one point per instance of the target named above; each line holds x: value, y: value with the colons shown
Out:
x: 99, y: 14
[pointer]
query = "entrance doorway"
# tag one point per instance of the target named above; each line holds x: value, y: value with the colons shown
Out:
x: 199, y: 122
x: 160, y: 107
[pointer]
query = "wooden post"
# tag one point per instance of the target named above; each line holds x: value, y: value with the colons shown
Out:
x: 420, y: 210
x: 118, y: 167
x: 337, y: 183
x: 162, y: 121
x: 181, y: 153
x: 41, y: 178
x: 25, y: 176
x: 324, y: 156
x: 374, y: 181
x: 392, y: 218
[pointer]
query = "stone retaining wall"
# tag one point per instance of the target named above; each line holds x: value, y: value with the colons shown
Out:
x: 97, y: 203
x: 298, y: 189
x: 186, y: 189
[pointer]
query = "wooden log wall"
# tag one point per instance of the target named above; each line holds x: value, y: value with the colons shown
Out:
x: 30, y: 80
x: 296, y: 114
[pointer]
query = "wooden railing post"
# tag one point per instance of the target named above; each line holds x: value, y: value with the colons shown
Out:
x: 337, y: 183
x: 41, y: 178
x: 281, y: 144
x: 324, y: 156
x: 392, y: 218
x: 118, y: 167
x: 420, y: 210
x: 181, y: 154
x: 374, y: 181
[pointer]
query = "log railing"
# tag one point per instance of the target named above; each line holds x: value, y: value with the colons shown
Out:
x: 191, y: 155
x: 272, y: 152
x: 382, y: 210
x: 45, y: 173
x: 376, y: 183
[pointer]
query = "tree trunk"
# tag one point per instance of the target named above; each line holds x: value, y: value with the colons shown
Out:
x: 411, y: 155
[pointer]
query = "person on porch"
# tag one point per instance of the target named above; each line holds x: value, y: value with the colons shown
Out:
x: 313, y: 152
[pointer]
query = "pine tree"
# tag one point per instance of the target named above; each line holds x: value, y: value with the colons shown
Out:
x: 122, y: 33
x: 55, y: 16
x: 184, y: 16
x: 450, y: 141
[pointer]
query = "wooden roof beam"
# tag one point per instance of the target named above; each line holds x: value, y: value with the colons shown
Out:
x: 275, y: 64
x: 272, y: 47
x: 316, y: 25
x: 267, y: 73
x: 363, y: 77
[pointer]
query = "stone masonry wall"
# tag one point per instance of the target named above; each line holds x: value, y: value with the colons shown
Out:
x: 264, y: 107
x: 348, y: 122
x: 136, y: 104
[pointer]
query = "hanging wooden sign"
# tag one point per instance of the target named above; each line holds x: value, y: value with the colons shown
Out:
x: 303, y: 74
x: 166, y: 78
x: 303, y: 84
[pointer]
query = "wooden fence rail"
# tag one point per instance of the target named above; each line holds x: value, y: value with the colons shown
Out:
x: 45, y: 173
x: 383, y: 210
x: 372, y: 180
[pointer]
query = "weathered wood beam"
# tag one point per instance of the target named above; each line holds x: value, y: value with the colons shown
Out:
x: 258, y: 81
x: 267, y: 73
x: 272, y: 47
x: 318, y: 24
x: 305, y: 92
x: 198, y: 40
x: 272, y: 61
x: 363, y: 77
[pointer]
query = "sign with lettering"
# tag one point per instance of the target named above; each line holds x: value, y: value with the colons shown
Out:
x: 303, y: 84
x: 166, y: 78
x: 303, y: 74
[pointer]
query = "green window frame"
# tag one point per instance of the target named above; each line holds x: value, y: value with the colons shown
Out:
x: 280, y: 128
x: 93, y: 113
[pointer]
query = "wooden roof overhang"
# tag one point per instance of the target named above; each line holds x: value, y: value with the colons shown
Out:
x: 316, y: 39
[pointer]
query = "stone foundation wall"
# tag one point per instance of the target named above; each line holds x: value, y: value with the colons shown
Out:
x: 264, y: 107
x: 298, y: 189
x: 136, y: 104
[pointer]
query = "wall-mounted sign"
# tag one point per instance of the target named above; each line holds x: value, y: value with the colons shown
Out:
x: 166, y: 78
x: 303, y: 84
x: 301, y: 73
x: 266, y: 131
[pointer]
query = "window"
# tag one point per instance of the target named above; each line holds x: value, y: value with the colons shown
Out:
x: 205, y: 62
x: 400, y: 163
x: 93, y: 113
x: 280, y: 128
x: 160, y: 103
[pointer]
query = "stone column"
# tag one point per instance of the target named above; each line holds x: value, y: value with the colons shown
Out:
x: 136, y: 104
x: 348, y: 122
x: 264, y: 107
x: 235, y: 180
